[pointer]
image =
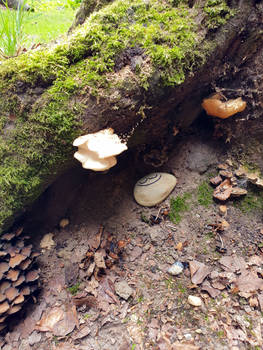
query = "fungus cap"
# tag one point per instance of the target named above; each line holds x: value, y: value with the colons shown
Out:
x: 217, y: 108
x: 97, y: 151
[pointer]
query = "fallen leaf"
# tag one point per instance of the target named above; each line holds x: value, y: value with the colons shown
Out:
x: 49, y: 320
x: 59, y: 322
x: 198, y: 271
x: 82, y: 333
x: 88, y: 300
x: 213, y: 292
x: 249, y: 282
x: 94, y: 242
x: 47, y: 241
x: 179, y: 246
x: 253, y: 302
x: 99, y: 259
x: 233, y: 263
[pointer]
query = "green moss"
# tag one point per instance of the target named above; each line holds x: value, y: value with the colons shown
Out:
x: 39, y: 146
x: 253, y: 201
x: 218, y: 13
x: 74, y: 289
x: 178, y: 205
x: 205, y: 194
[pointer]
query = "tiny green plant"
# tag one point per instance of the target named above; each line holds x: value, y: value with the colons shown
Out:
x: 177, y: 206
x: 205, y: 194
x: 74, y: 289
x: 11, y: 29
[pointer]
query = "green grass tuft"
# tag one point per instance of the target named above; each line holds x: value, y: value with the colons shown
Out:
x: 253, y: 201
x: 74, y: 289
x: 178, y: 205
x: 205, y: 194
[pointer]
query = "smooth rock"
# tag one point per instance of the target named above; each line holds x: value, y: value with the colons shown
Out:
x: 176, y: 268
x: 154, y: 188
x: 123, y: 289
x: 195, y: 301
x: 201, y: 157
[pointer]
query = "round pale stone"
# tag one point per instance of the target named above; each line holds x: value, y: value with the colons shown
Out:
x: 154, y: 188
x: 195, y: 301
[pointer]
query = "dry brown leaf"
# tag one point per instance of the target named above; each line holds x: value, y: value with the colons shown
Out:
x: 249, y: 282
x: 94, y: 242
x: 233, y: 263
x: 82, y: 333
x: 198, y: 271
x: 49, y: 319
x: 253, y: 302
x: 210, y: 290
x: 87, y: 300
x: 67, y: 324
x: 218, y: 285
x: 99, y: 259
x: 179, y: 246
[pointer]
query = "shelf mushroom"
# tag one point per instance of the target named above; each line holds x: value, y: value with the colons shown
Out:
x: 97, y: 151
x: 215, y: 107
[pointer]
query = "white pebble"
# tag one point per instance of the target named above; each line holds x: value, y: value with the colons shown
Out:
x: 195, y: 301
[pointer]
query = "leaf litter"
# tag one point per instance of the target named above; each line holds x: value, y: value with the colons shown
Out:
x: 156, y: 315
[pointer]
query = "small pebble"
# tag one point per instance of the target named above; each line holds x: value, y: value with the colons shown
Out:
x: 123, y: 289
x: 188, y: 336
x: 195, y: 301
x: 176, y: 268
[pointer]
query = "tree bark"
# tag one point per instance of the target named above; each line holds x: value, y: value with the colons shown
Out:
x: 140, y: 67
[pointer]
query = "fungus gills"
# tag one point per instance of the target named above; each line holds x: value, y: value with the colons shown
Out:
x: 217, y: 108
x: 97, y: 151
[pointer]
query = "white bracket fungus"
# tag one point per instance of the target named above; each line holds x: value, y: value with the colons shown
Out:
x: 97, y: 151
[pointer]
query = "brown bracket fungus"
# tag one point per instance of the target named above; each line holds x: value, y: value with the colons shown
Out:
x: 97, y: 151
x: 215, y: 107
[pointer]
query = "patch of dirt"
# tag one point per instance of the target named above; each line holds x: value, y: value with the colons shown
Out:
x: 157, y: 314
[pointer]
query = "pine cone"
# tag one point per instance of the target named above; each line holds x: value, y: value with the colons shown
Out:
x: 17, y: 278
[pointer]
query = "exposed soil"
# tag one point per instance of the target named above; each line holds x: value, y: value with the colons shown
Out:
x: 157, y: 315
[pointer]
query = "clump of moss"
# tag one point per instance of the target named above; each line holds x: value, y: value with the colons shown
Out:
x: 253, y: 201
x: 205, y: 194
x: 74, y: 289
x: 218, y: 12
x: 178, y: 205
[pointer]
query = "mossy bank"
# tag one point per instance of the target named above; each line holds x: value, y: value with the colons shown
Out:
x: 102, y: 74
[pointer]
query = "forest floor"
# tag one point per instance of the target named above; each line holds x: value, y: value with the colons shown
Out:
x: 83, y: 306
